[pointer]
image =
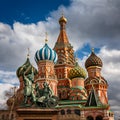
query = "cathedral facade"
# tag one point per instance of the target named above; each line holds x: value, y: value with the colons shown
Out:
x: 81, y: 95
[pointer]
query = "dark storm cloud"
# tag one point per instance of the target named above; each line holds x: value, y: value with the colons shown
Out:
x: 96, y: 22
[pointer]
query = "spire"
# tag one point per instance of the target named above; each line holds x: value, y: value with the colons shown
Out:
x: 63, y: 45
x: 62, y: 38
x: 93, y: 99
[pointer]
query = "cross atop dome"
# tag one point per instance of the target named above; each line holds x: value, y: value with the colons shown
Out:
x: 62, y: 19
x: 92, y: 50
x: 28, y: 54
x: 46, y: 35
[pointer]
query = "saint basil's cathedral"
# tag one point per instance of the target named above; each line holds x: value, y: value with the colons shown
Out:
x: 81, y: 95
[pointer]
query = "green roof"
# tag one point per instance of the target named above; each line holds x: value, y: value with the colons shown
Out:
x: 67, y: 102
x: 70, y: 105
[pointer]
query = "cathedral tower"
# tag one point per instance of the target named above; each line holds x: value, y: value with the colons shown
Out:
x: 77, y: 76
x: 66, y: 60
x: 93, y: 65
x: 45, y: 59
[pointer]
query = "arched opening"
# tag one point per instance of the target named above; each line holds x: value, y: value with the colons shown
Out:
x: 68, y: 111
x: 62, y: 112
x: 3, y: 117
x: 12, y: 116
x: 59, y: 95
x: 77, y: 112
x: 99, y: 118
x: 90, y: 118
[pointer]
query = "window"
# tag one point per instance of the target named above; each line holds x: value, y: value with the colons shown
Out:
x: 3, y: 117
x: 60, y: 62
x: 68, y: 111
x: 77, y: 112
x: 12, y: 116
x: 90, y: 118
x: 62, y: 112
x: 99, y: 118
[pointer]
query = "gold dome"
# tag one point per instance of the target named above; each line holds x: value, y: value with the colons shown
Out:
x: 63, y: 19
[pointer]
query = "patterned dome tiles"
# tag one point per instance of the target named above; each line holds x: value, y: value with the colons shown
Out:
x: 93, y: 60
x: 77, y: 71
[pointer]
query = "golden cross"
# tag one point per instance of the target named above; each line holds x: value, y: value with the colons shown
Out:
x: 62, y: 12
x: 28, y: 55
x: 92, y: 49
x: 76, y: 59
x: 46, y: 39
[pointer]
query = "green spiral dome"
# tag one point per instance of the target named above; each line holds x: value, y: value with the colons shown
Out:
x: 26, y: 68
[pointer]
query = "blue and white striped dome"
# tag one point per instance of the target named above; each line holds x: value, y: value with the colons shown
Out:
x: 46, y: 53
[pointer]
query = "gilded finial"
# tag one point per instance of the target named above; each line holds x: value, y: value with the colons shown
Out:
x: 62, y: 12
x: 28, y: 54
x: 62, y: 19
x: 93, y: 50
x: 76, y: 59
x: 46, y: 39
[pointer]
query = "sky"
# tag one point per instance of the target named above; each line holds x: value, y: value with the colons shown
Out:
x: 91, y: 23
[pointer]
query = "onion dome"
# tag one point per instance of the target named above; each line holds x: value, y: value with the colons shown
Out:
x: 77, y: 71
x: 63, y: 19
x: 26, y: 68
x: 93, y: 60
x: 46, y: 53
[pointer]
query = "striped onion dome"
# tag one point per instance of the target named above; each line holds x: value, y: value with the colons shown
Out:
x: 26, y: 68
x: 46, y: 53
x: 93, y: 60
x: 77, y: 71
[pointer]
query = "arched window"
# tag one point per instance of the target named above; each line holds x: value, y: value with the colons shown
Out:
x: 12, y: 116
x: 62, y: 112
x: 3, y: 117
x: 99, y: 118
x: 77, y: 112
x: 7, y: 116
x: 59, y: 95
x: 90, y: 118
x: 68, y: 111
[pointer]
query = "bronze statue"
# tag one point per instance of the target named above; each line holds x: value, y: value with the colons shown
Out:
x: 35, y: 96
x: 29, y: 92
x: 46, y: 97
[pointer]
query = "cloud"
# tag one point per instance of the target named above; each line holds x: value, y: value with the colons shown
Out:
x: 111, y: 72
x: 111, y: 63
x: 8, y: 77
x: 15, y: 41
x: 3, y: 97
